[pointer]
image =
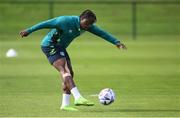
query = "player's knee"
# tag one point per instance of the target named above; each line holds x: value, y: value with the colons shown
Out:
x: 66, y: 78
x: 68, y: 81
x: 66, y: 75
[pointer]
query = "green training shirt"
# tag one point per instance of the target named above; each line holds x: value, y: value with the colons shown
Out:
x: 65, y: 29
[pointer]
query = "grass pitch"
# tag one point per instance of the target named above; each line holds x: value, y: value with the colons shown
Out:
x: 145, y: 78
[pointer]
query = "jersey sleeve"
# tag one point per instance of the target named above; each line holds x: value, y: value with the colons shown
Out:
x: 103, y: 34
x: 52, y: 23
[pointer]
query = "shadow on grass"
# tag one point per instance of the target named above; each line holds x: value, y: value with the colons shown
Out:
x: 149, y: 110
x: 137, y: 110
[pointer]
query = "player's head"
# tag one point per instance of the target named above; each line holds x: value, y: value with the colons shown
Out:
x: 87, y: 18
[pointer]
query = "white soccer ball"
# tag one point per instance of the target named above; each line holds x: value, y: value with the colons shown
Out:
x: 106, y: 96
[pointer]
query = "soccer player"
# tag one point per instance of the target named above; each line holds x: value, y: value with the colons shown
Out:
x: 64, y: 29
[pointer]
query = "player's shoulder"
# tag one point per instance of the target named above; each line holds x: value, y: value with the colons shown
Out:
x: 67, y: 20
x: 68, y: 17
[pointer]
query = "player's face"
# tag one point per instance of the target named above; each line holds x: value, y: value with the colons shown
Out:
x: 85, y: 23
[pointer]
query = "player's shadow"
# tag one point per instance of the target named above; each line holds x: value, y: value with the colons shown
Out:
x: 148, y: 110
x: 137, y: 110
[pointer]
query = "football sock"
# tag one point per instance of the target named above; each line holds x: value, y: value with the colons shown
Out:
x: 75, y: 93
x: 65, y: 100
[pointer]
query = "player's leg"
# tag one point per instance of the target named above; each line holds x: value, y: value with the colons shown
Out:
x: 60, y: 65
x: 68, y: 67
x: 68, y: 83
x: 79, y: 100
x: 54, y: 55
x: 57, y: 57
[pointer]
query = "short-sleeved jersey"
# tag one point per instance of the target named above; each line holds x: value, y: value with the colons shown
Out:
x: 65, y: 29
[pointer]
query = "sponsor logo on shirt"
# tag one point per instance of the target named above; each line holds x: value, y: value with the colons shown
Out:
x: 70, y: 31
x: 62, y: 54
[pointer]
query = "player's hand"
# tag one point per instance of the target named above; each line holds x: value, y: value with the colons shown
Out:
x: 121, y: 46
x: 24, y: 33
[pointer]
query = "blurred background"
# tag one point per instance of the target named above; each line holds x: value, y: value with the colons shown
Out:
x: 145, y: 78
x: 143, y: 17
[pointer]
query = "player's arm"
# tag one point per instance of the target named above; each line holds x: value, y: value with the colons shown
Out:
x: 107, y: 36
x: 52, y: 23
